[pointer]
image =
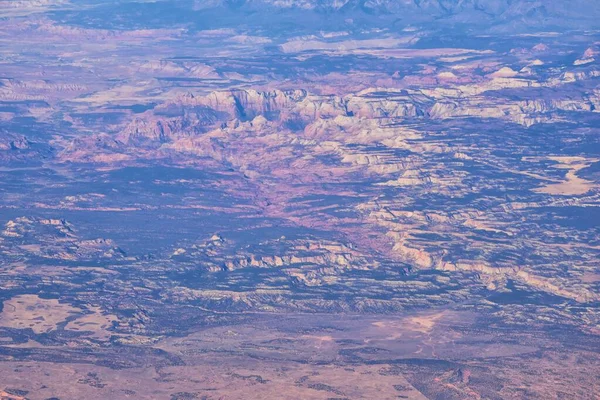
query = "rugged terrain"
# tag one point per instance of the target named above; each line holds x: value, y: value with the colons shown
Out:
x: 307, y: 199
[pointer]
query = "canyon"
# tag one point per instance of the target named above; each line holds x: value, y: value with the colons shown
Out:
x: 299, y: 199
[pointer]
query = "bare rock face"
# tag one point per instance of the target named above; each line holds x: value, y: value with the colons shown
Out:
x: 10, y: 141
x: 158, y: 130
x: 94, y: 148
x: 166, y: 68
x: 54, y: 239
x: 247, y: 104
x: 20, y: 148
x: 140, y: 131
x: 23, y: 226
x: 383, y: 104
x: 20, y: 144
x: 192, y: 115
x: 297, y: 110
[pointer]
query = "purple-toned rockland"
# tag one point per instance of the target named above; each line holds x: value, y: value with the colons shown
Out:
x: 310, y: 199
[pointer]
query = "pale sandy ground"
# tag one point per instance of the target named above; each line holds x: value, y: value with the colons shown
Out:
x: 30, y: 311
x: 572, y: 185
x: 44, y: 315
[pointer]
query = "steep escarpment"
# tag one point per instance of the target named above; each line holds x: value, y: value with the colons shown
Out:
x: 311, y: 115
